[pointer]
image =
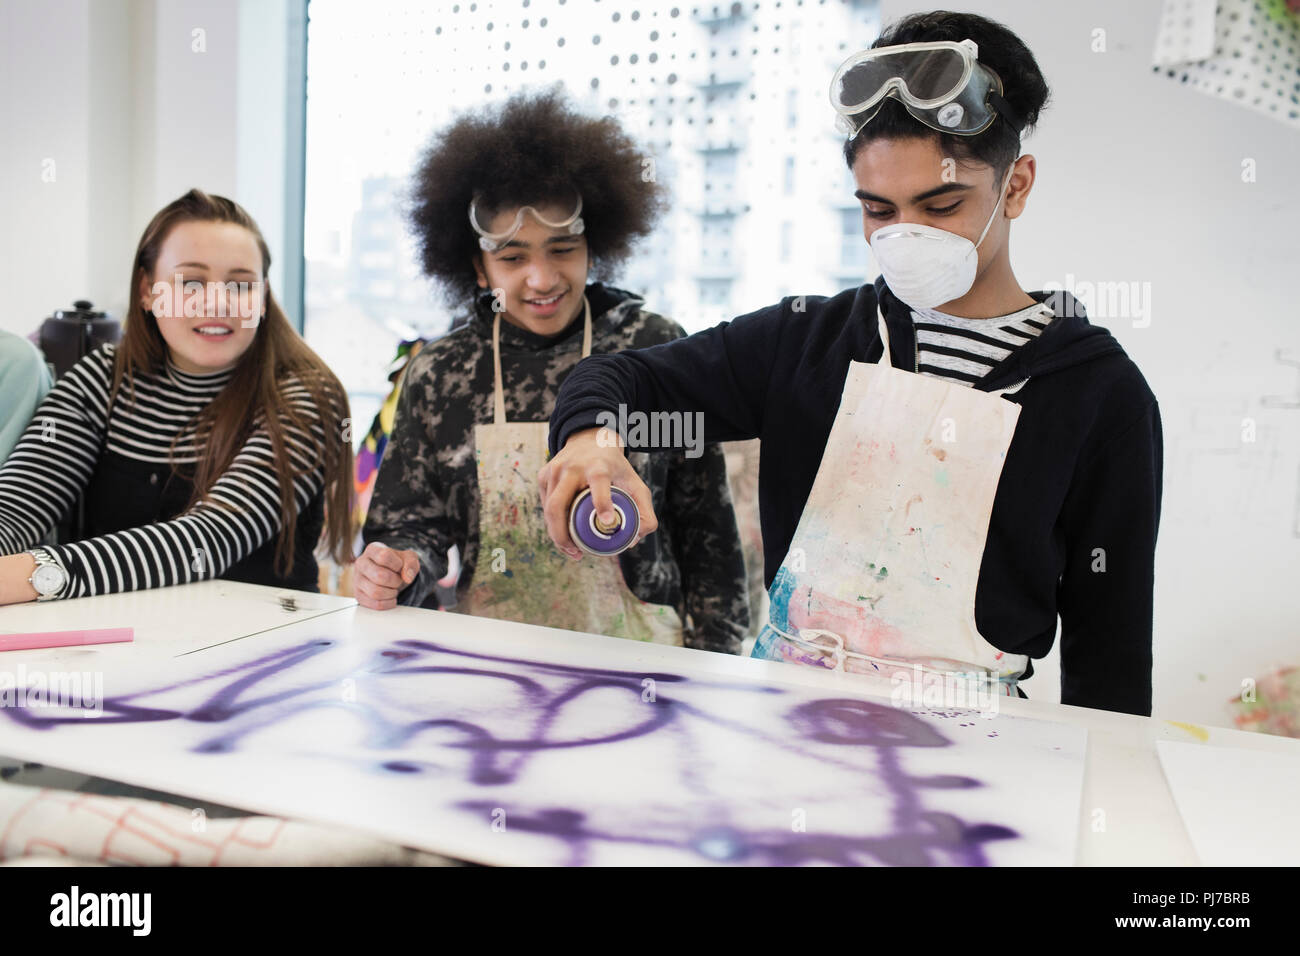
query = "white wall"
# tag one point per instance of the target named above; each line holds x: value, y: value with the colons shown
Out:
x: 1139, y: 179
x: 44, y: 110
x: 115, y: 94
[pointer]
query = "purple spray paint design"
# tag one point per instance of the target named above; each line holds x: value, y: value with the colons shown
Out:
x: 236, y: 704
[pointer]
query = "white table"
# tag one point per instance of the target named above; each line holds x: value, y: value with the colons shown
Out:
x: 188, y: 617
x: 1128, y: 815
x: 176, y: 620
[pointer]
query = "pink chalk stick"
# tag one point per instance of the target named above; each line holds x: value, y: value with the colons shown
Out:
x: 27, y: 642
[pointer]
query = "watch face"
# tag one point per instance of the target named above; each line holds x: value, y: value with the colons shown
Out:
x: 47, y: 580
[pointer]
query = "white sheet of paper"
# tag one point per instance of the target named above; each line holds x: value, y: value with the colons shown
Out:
x: 1239, y: 805
x: 513, y: 744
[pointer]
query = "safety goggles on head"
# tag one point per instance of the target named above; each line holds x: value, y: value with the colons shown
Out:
x: 493, y: 241
x: 941, y: 83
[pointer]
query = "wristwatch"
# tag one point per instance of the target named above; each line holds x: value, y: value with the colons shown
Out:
x: 50, y: 577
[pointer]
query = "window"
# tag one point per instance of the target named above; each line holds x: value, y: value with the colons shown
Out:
x: 714, y: 291
x: 693, y: 88
x: 853, y: 247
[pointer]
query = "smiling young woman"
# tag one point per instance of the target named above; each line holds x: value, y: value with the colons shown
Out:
x: 210, y: 442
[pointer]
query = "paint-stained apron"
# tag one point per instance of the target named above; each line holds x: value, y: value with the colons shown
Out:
x: 882, y: 570
x: 520, y: 575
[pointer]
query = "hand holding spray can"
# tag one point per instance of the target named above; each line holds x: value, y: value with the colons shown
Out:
x: 595, y: 537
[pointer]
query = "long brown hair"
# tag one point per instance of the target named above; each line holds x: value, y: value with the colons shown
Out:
x: 252, y: 395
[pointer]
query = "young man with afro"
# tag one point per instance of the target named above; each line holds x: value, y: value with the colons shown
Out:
x: 516, y: 210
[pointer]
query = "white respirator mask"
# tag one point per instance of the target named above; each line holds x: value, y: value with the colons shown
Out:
x: 924, y: 266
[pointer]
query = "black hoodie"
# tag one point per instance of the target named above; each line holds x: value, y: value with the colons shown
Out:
x: 1073, y: 528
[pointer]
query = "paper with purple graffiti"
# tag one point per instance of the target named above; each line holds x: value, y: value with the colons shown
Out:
x: 512, y: 744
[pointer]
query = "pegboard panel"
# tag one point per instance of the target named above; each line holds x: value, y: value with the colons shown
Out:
x: 1243, y: 51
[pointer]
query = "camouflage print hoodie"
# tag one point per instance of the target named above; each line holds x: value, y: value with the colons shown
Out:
x: 426, y: 495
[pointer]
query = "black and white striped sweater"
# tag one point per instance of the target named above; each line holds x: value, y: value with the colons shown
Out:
x: 73, y: 428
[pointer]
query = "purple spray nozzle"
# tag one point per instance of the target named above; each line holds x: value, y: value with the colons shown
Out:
x: 590, y: 533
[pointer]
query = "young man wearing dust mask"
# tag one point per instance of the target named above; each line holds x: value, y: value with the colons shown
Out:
x: 949, y: 462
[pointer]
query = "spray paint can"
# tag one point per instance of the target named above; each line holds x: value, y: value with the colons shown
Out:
x: 591, y: 535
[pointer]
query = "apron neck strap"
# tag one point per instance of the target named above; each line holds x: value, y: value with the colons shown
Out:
x: 499, y: 397
x: 586, y: 327
x: 885, y: 358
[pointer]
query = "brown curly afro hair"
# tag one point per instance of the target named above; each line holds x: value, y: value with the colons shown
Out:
x: 529, y: 150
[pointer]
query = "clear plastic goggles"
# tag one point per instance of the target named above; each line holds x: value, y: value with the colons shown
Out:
x: 942, y: 84
x: 493, y: 241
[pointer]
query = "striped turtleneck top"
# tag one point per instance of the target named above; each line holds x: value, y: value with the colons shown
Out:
x: 964, y: 350
x: 73, y: 428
